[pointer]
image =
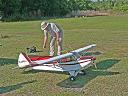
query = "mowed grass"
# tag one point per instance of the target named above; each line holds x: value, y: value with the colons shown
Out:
x: 109, y: 79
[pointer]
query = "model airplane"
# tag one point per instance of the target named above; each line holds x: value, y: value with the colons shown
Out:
x: 71, y: 62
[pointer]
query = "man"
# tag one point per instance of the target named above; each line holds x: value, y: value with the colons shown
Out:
x: 56, y: 35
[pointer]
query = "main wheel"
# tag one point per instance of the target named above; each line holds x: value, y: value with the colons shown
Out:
x: 72, y: 78
x: 83, y: 72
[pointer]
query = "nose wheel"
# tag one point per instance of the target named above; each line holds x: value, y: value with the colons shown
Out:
x: 73, y: 75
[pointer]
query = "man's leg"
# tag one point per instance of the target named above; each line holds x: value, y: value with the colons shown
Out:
x: 52, y: 43
x: 59, y: 43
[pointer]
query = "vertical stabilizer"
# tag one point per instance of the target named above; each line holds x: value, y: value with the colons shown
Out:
x: 24, y: 60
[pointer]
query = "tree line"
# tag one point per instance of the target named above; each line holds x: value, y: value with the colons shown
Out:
x: 15, y: 10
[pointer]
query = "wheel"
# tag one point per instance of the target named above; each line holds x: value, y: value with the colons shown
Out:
x: 83, y: 72
x: 72, y: 78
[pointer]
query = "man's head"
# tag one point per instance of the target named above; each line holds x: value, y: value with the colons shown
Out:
x: 44, y: 25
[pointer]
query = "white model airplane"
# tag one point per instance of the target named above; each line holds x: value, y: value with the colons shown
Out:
x: 71, y: 62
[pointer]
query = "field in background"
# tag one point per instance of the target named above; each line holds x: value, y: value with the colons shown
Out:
x: 110, y: 33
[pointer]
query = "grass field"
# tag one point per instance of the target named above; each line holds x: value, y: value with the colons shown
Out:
x: 110, y: 79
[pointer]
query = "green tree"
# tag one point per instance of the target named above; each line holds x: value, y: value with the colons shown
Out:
x: 9, y: 7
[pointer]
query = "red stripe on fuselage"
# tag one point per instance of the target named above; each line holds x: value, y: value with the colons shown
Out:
x: 58, y: 63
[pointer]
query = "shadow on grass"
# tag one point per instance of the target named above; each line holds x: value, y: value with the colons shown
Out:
x: 27, y: 71
x: 6, y: 61
x: 92, y: 73
x: 30, y: 71
x: 14, y: 87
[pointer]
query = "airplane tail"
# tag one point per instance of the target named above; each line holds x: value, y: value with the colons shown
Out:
x: 24, y: 60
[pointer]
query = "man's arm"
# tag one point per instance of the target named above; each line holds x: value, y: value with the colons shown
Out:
x: 45, y: 39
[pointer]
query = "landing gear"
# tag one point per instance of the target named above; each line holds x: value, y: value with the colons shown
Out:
x: 72, y: 78
x: 82, y: 72
x: 73, y: 75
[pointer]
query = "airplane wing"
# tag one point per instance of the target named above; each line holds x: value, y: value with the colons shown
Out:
x: 75, y: 52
